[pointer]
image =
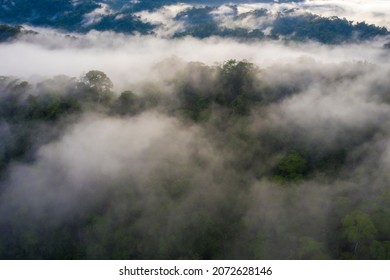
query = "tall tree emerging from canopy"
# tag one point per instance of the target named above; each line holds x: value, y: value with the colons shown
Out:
x: 98, y: 85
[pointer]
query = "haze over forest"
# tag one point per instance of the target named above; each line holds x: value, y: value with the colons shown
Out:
x: 194, y: 129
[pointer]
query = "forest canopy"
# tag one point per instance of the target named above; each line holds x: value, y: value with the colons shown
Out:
x: 226, y: 164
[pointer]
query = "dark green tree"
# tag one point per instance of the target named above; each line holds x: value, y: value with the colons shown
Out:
x: 126, y: 104
x: 291, y: 167
x: 236, y: 86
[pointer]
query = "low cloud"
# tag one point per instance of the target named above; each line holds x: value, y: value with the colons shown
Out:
x: 269, y: 157
x: 129, y: 59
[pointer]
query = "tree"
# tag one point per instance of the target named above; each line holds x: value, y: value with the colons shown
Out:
x: 98, y: 85
x: 310, y: 248
x: 8, y: 32
x: 126, y: 104
x: 236, y: 86
x: 98, y: 80
x: 359, y: 230
x: 291, y: 167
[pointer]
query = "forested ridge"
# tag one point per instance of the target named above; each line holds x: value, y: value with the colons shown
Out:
x: 202, y: 20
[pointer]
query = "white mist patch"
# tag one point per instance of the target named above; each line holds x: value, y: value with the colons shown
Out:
x: 119, y: 146
x: 76, y: 2
x: 333, y: 101
x: 165, y: 19
x: 247, y: 20
x: 373, y: 12
x: 92, y: 155
x: 96, y: 15
x: 223, y: 11
x: 129, y: 59
x: 272, y: 7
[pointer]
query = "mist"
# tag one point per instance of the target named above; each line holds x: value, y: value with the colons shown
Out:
x: 118, y: 146
x: 374, y: 12
x: 130, y: 59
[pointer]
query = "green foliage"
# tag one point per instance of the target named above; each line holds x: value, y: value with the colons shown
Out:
x: 8, y: 32
x: 23, y: 112
x: 212, y: 29
x: 128, y: 24
x: 50, y: 108
x: 380, y: 250
x: 236, y: 86
x: 70, y: 18
x: 201, y: 24
x: 360, y: 232
x: 98, y: 81
x: 196, y: 106
x: 96, y: 86
x: 358, y: 227
x: 325, y: 30
x: 216, y: 203
x: 198, y: 21
x: 232, y: 86
x: 197, y: 15
x: 63, y: 14
x: 309, y: 248
x: 291, y: 168
x: 126, y: 104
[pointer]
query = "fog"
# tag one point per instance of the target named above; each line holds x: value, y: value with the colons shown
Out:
x: 129, y: 59
x: 281, y: 153
x: 164, y: 18
x: 373, y: 12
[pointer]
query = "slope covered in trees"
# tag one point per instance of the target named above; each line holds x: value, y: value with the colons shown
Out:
x: 200, y: 19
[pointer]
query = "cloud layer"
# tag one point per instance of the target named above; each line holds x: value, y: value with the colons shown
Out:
x: 282, y: 153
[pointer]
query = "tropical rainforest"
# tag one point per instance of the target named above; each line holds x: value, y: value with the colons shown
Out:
x: 195, y: 130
